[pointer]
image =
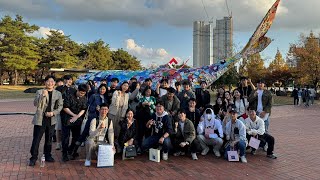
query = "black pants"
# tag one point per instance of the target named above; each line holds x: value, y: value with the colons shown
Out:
x: 295, y: 100
x: 75, y: 130
x: 265, y: 138
x: 38, y: 131
x: 193, y: 147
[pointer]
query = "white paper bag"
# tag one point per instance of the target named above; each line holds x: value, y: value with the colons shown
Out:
x: 154, y: 155
x: 233, y: 156
x: 105, y: 156
x: 254, y: 143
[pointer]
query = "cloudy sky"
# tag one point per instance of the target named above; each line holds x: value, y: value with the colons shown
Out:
x: 157, y: 30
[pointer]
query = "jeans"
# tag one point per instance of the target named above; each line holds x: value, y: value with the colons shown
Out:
x: 38, y: 132
x: 153, y: 141
x: 241, y: 145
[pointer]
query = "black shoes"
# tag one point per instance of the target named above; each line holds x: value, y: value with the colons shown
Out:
x: 49, y: 159
x: 272, y: 156
x: 74, y: 156
x: 32, y: 162
x: 65, y: 158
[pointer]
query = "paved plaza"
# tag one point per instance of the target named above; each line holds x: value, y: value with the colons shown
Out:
x: 296, y: 131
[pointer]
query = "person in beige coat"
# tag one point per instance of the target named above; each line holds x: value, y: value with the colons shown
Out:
x: 118, y: 107
x: 49, y: 104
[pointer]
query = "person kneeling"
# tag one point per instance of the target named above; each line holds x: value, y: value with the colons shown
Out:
x: 256, y: 128
x: 185, y: 136
x: 236, y: 135
x: 99, y: 130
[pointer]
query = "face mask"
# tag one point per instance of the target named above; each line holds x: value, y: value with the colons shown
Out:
x: 209, y: 116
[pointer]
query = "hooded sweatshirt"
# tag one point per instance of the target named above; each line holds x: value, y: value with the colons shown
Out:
x: 210, y: 123
x: 163, y: 124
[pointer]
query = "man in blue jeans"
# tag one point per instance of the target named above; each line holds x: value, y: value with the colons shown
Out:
x: 236, y: 135
x: 161, y: 125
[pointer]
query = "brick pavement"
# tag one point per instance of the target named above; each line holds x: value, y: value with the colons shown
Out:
x: 296, y: 130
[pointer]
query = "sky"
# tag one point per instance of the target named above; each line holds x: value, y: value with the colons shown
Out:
x: 157, y: 30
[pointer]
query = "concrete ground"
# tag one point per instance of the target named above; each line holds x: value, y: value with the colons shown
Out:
x: 296, y: 130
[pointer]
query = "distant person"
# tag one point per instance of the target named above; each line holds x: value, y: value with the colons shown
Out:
x: 186, y: 94
x: 313, y: 94
x: 48, y: 103
x: 246, y: 87
x: 295, y: 96
x: 178, y: 88
x: 202, y: 96
x: 67, y: 88
x: 162, y: 87
x: 300, y: 96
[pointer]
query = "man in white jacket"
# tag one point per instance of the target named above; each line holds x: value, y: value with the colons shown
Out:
x: 255, y: 128
x: 210, y: 133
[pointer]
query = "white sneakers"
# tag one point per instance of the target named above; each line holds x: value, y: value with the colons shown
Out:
x: 165, y: 156
x: 243, y: 159
x: 194, y: 156
x: 216, y: 153
x: 205, y: 151
x: 87, y: 163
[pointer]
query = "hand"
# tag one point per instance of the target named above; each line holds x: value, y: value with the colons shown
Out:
x: 150, y: 122
x: 161, y: 140
x: 49, y: 114
x: 262, y: 114
x: 249, y: 81
x: 256, y: 94
x: 108, y: 88
x: 201, y: 119
x: 138, y: 86
x: 158, y: 85
x: 185, y: 95
x: 130, y: 142
x: 45, y: 92
x: 193, y: 109
x: 183, y: 144
x: 73, y: 119
x: 98, y: 108
x: 114, y: 150
x: 102, y: 126
x: 176, y: 124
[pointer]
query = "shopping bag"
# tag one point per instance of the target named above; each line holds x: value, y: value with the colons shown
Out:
x: 105, y: 156
x: 129, y: 152
x: 233, y: 155
x: 154, y: 155
x: 254, y: 142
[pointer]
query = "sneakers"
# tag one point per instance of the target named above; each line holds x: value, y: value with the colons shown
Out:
x: 243, y: 159
x: 58, y: 146
x: 253, y: 152
x: 217, y: 153
x: 272, y: 156
x: 194, y: 156
x: 87, y: 163
x: 165, y: 156
x: 65, y: 158
x: 265, y: 148
x: 177, y: 153
x: 205, y: 151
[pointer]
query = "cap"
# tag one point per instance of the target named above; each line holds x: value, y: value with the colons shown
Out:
x: 232, y: 109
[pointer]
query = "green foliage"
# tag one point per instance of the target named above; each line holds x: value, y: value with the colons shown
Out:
x: 18, y: 51
x: 231, y: 77
x: 255, y: 67
x: 123, y: 60
x: 96, y: 55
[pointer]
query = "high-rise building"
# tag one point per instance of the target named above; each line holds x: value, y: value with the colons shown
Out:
x: 222, y: 39
x: 202, y: 44
x: 212, y: 44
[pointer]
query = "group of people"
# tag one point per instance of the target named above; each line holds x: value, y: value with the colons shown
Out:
x: 180, y: 119
x: 304, y: 95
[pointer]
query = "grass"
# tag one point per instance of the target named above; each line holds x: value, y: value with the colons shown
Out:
x: 15, y: 92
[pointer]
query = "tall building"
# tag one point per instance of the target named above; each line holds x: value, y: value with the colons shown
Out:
x: 222, y: 39
x: 202, y: 44
x: 212, y: 44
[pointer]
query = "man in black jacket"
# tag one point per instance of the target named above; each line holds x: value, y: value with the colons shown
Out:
x: 161, y: 125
